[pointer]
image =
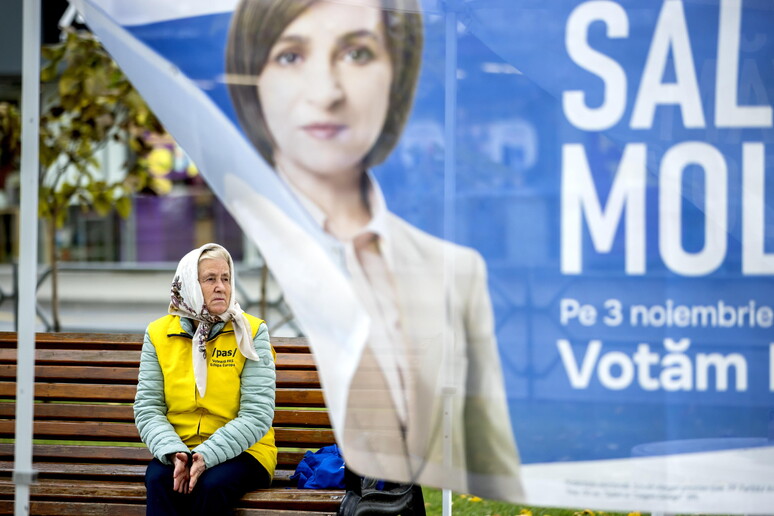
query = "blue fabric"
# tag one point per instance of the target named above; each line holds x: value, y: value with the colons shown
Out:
x: 323, y: 469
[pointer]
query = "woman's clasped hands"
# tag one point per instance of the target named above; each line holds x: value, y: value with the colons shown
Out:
x: 188, y: 469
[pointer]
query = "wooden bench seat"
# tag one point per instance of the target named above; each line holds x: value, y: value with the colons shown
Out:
x: 87, y: 451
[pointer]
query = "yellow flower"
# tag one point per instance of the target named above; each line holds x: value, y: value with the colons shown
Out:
x: 161, y: 186
x: 475, y: 499
x: 634, y: 514
x: 526, y: 512
x: 160, y: 161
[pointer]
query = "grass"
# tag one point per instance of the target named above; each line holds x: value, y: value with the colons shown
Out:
x: 468, y: 505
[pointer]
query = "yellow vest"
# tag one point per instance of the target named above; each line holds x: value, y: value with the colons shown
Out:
x: 196, y: 418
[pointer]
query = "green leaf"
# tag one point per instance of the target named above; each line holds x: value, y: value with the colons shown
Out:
x: 124, y: 206
x: 135, y: 144
x: 102, y: 204
x: 52, y: 52
x: 61, y: 218
x: 68, y: 85
x: 67, y: 190
x: 92, y: 101
x: 49, y: 71
x: 61, y: 199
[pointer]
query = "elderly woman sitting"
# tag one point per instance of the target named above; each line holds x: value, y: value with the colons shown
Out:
x: 205, y: 394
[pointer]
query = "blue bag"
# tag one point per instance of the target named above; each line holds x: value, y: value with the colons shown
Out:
x: 323, y: 469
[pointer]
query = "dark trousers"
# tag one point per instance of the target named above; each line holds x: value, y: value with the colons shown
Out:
x: 217, y: 491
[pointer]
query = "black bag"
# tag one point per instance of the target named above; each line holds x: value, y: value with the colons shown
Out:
x: 371, y: 496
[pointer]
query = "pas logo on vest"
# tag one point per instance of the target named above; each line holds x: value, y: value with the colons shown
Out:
x: 223, y: 357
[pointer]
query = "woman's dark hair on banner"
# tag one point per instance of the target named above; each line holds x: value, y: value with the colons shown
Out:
x: 257, y: 26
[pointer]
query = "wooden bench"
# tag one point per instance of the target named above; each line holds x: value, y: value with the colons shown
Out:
x: 87, y: 451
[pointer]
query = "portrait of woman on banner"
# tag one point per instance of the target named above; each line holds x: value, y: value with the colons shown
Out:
x: 323, y: 91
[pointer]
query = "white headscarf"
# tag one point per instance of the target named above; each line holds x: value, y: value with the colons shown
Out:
x: 187, y: 300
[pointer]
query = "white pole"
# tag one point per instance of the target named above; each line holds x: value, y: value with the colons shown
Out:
x: 23, y: 475
x: 450, y: 186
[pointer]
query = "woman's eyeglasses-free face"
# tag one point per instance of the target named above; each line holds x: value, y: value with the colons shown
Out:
x: 325, y: 88
x: 214, y: 279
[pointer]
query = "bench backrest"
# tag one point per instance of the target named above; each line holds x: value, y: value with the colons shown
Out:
x: 85, y: 385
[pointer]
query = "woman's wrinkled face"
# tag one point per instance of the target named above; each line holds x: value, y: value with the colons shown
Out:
x: 325, y: 87
x: 215, y: 280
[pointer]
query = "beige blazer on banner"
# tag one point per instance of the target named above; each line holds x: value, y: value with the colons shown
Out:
x: 446, y: 317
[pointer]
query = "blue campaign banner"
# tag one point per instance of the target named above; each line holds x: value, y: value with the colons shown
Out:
x: 610, y: 161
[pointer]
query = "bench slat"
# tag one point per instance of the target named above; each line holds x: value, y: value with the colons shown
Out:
x: 75, y: 411
x: 98, y: 431
x: 78, y: 340
x: 129, y: 358
x: 43, y: 452
x: 320, y: 499
x: 77, y: 356
x: 104, y: 476
x: 133, y: 494
x: 40, y: 508
x: 80, y: 489
x: 129, y: 374
x: 127, y: 488
x: 94, y: 471
x: 114, y: 374
x: 84, y: 470
x: 299, y: 397
x: 95, y: 431
x: 290, y: 417
x: 91, y: 509
x: 295, y: 361
x: 104, y: 340
x: 290, y: 344
x: 291, y: 378
x: 50, y: 508
x: 125, y: 413
x: 279, y: 512
x: 125, y: 393
x: 303, y: 437
x: 75, y: 392
x: 286, y: 460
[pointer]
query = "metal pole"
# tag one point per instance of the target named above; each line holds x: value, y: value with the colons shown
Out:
x: 450, y: 187
x: 23, y: 475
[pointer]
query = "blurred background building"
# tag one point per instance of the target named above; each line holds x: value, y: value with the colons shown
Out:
x: 115, y: 273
